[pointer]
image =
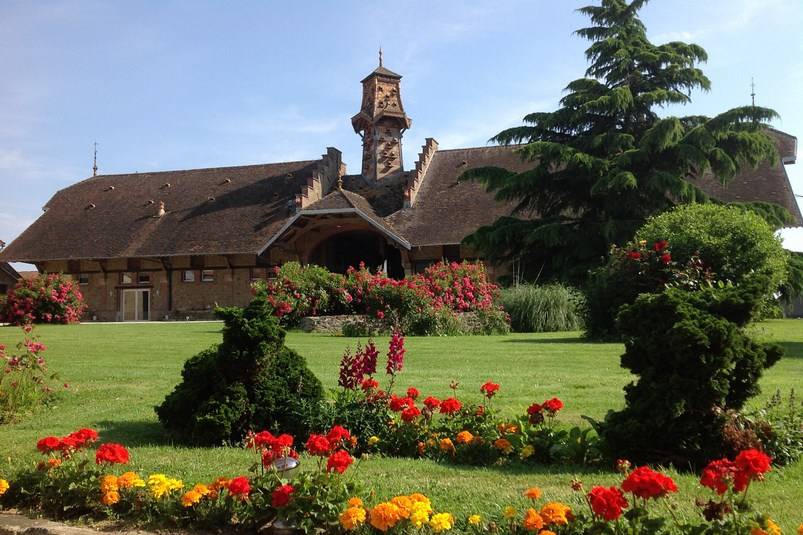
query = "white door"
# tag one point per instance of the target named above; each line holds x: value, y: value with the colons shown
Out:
x: 136, y: 305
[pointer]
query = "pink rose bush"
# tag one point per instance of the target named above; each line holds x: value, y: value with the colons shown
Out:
x: 51, y: 298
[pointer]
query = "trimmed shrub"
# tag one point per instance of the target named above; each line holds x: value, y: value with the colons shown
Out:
x: 51, y: 298
x: 249, y: 382
x: 544, y: 308
x: 694, y: 363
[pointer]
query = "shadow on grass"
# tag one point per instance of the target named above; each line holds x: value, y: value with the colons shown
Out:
x: 792, y: 350
x: 134, y: 433
x: 566, y: 340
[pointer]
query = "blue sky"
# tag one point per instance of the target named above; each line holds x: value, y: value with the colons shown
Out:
x: 183, y: 84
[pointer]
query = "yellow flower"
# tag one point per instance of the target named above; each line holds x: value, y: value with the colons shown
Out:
x: 800, y: 529
x: 447, y: 445
x: 160, y: 485
x: 129, y: 480
x: 475, y: 520
x: 503, y: 445
x: 404, y: 503
x: 201, y: 489
x: 373, y: 441
x: 110, y: 498
x: 108, y: 484
x: 532, y: 520
x: 527, y: 451
x: 642, y: 242
x: 385, y: 515
x: 533, y: 493
x: 417, y: 497
x: 512, y: 429
x: 556, y: 513
x: 190, y: 498
x: 441, y: 522
x: 464, y: 437
x: 355, y: 502
x: 510, y: 512
x: 419, y: 514
x: 773, y: 528
x: 546, y: 532
x: 3, y: 486
x: 353, y: 517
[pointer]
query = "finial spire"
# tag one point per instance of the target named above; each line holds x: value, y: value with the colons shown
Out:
x: 380, y: 55
x: 753, y: 91
x: 95, y: 161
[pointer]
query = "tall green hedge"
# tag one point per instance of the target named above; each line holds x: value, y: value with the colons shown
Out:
x: 544, y: 308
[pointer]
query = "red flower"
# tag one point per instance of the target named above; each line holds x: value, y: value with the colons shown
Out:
x: 634, y: 255
x: 263, y: 439
x: 718, y: 475
x: 337, y: 434
x: 380, y: 315
x: 450, y: 406
x: 413, y: 392
x: 48, y: 444
x: 489, y: 389
x: 646, y: 483
x: 318, y: 445
x: 240, y: 487
x: 553, y: 405
x: 84, y: 436
x: 750, y: 464
x: 534, y: 409
x: 339, y: 461
x: 660, y: 245
x: 666, y: 258
x: 432, y: 403
x: 410, y: 413
x: 369, y: 384
x: 281, y: 495
x: 111, y: 453
x: 398, y: 404
x: 607, y: 503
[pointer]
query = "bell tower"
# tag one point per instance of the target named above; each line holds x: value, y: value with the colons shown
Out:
x: 381, y: 123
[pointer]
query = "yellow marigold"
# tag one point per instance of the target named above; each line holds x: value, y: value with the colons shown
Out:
x: 532, y: 520
x: 108, y: 484
x: 110, y: 498
x: 475, y: 520
x: 373, y: 441
x: 404, y: 503
x: 510, y: 512
x: 503, y: 445
x: 556, y: 513
x: 464, y: 437
x: 385, y: 515
x: 355, y: 502
x: 773, y: 528
x: 441, y: 522
x: 419, y: 514
x: 447, y: 445
x: 800, y: 529
x: 546, y: 532
x: 160, y: 485
x: 190, y: 498
x: 129, y: 480
x: 352, y: 518
x: 201, y: 489
x: 527, y: 451
x: 417, y: 497
x: 533, y: 493
x: 4, y: 486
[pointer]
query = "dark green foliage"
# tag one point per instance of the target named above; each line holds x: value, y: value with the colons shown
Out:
x: 251, y: 381
x: 545, y: 308
x: 605, y: 160
x: 694, y: 362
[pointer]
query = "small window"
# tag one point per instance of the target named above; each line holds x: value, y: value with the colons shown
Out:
x: 188, y: 275
x: 207, y: 275
x: 83, y: 278
x: 126, y: 278
x: 144, y: 278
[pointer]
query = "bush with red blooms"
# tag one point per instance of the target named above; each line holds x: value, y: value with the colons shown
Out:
x: 51, y: 298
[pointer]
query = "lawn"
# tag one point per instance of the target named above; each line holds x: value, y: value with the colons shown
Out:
x: 117, y: 373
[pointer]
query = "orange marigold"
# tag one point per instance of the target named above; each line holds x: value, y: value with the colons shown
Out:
x: 532, y: 520
x: 108, y: 484
x: 385, y: 515
x: 447, y: 445
x: 503, y: 445
x: 110, y: 498
x: 556, y: 513
x: 352, y: 518
x: 404, y: 503
x: 533, y: 493
x: 464, y: 437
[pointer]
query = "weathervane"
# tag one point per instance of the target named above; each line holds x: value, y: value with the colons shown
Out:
x: 753, y: 91
x: 380, y: 55
x: 95, y: 161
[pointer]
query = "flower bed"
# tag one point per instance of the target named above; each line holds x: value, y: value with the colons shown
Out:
x: 74, y: 480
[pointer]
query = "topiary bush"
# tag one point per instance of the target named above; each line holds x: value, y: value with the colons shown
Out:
x: 544, y: 308
x: 251, y: 381
x: 694, y: 362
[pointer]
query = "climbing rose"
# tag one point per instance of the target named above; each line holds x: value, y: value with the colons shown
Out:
x: 646, y: 483
x: 111, y: 453
x: 281, y: 495
x: 607, y: 503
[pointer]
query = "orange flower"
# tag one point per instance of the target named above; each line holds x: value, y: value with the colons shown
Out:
x: 404, y: 503
x: 503, y: 445
x: 385, y: 515
x: 110, y: 498
x: 464, y: 437
x: 108, y: 484
x: 53, y: 462
x: 533, y: 493
x: 532, y: 520
x: 556, y: 513
x: 447, y: 445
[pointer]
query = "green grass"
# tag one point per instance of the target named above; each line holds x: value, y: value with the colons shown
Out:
x: 117, y: 373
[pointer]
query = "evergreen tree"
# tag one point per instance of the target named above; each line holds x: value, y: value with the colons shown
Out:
x: 605, y: 160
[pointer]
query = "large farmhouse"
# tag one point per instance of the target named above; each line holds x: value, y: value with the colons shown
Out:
x: 173, y: 244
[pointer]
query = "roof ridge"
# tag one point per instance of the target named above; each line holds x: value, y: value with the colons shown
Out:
x: 195, y: 169
x: 482, y: 147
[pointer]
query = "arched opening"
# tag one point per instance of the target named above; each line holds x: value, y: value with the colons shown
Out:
x: 340, y: 251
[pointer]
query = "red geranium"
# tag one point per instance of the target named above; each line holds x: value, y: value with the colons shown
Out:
x: 398, y: 404
x: 84, y: 436
x: 646, y: 483
x: 318, y: 445
x: 534, y: 409
x: 432, y: 403
x: 339, y: 461
x: 111, y: 453
x: 718, y: 475
x: 634, y: 255
x: 660, y: 245
x: 263, y: 439
x: 552, y: 405
x: 48, y: 444
x: 450, y: 406
x: 750, y: 464
x: 281, y: 495
x: 413, y: 393
x: 410, y: 413
x: 607, y: 503
x: 489, y: 389
x: 369, y: 384
x: 337, y: 434
x: 240, y: 487
x: 666, y: 258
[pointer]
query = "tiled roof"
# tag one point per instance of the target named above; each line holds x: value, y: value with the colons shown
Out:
x: 10, y: 272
